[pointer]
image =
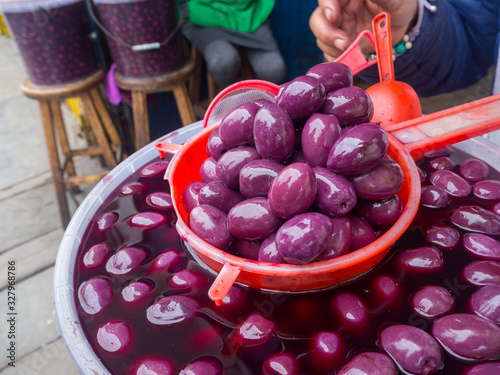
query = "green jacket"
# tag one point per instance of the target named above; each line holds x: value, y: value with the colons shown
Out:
x: 241, y: 15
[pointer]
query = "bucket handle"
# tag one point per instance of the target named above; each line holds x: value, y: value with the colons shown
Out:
x: 223, y: 282
x: 137, y: 47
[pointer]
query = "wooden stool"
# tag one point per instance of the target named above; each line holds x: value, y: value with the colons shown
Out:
x: 108, y: 140
x: 140, y: 87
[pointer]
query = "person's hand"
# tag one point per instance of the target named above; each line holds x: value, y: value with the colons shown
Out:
x: 336, y: 23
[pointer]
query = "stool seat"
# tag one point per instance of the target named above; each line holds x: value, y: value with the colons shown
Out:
x: 140, y: 87
x: 57, y: 92
x: 108, y: 140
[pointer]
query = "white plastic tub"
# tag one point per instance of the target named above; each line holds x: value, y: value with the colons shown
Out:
x: 72, y: 332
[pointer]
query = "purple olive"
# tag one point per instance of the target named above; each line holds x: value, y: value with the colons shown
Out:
x: 210, y: 224
x: 208, y: 171
x: 422, y: 174
x: 126, y: 260
x: 369, y: 363
x: 236, y: 128
x: 280, y: 364
x: 95, y: 255
x: 232, y: 161
x: 442, y: 162
x: 255, y: 330
x: 487, y: 189
x: 358, y: 150
x: 268, y: 251
x: 333, y: 75
x: 362, y: 234
x: 301, y: 97
x: 381, y: 182
x: 443, y: 151
x: 349, y: 311
x: 293, y: 190
x: 274, y: 133
x: 147, y: 220
x: 190, y: 198
x: 380, y: 212
x: 114, y: 336
x: 153, y: 365
x: 443, y: 237
x: 383, y: 291
x: 451, y: 182
x: 327, y: 351
x: 340, y: 241
x: 167, y: 261
x: 154, y: 169
x: 252, y: 219
x: 171, y: 310
x: 248, y: 249
x: 137, y: 291
x: 257, y: 177
x: 351, y: 105
x: 434, y: 197
x: 413, y: 350
x: 486, y: 302
x: 215, y: 147
x: 422, y: 259
x: 160, y: 200
x: 107, y: 221
x: 482, y: 272
x: 335, y: 195
x: 476, y: 219
x: 432, y: 301
x: 95, y: 294
x: 482, y: 245
x: 205, y: 366
x: 132, y: 188
x: 318, y: 136
x: 218, y: 195
x: 496, y: 208
x: 487, y: 368
x: 468, y: 337
x: 474, y: 169
x: 187, y: 280
x: 302, y: 238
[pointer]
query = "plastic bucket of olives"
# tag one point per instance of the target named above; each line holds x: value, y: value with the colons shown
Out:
x: 143, y: 36
x: 53, y: 37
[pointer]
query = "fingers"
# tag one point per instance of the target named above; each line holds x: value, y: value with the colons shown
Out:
x: 330, y: 39
x: 331, y: 10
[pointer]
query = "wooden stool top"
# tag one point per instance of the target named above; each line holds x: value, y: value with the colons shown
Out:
x: 58, y: 92
x: 158, y: 83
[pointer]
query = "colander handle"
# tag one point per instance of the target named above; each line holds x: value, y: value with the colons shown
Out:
x: 224, y: 281
x: 354, y: 58
x: 164, y: 147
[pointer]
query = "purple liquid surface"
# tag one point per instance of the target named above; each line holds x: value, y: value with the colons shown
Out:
x: 213, y: 331
x: 142, y: 22
x: 54, y: 43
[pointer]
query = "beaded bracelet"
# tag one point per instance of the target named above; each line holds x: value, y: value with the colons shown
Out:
x: 398, y: 49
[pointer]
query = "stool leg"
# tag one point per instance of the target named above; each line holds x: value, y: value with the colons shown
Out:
x: 184, y: 105
x: 50, y: 140
x: 141, y: 120
x: 63, y: 138
x: 105, y: 118
x: 98, y: 130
